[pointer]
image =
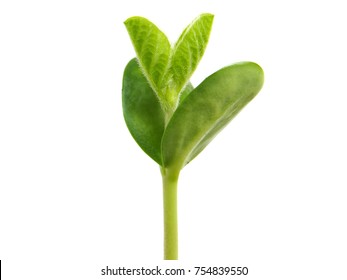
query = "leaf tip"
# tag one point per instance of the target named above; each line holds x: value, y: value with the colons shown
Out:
x: 208, y: 16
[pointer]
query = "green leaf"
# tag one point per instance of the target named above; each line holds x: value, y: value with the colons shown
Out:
x: 188, y: 89
x: 152, y: 49
x: 168, y: 70
x: 187, y: 52
x: 207, y: 110
x: 142, y: 111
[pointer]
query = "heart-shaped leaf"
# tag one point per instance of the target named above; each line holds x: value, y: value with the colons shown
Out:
x: 142, y: 111
x: 207, y: 110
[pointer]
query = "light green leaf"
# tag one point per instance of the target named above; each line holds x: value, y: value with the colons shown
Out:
x: 187, y: 52
x: 142, y: 111
x: 152, y: 49
x: 207, y: 110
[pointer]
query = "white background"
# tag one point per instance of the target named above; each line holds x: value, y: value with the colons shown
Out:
x: 77, y: 193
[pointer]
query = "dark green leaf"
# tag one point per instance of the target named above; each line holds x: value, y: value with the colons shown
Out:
x: 142, y: 111
x: 188, y: 89
x: 207, y: 110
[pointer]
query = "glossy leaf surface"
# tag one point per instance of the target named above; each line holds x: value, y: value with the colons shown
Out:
x: 207, y: 110
x: 142, y: 111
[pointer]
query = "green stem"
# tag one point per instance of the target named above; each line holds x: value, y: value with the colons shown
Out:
x: 170, y: 179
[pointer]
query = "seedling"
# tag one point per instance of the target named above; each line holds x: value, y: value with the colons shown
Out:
x: 170, y: 119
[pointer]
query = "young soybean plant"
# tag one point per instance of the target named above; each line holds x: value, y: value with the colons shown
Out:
x: 170, y: 119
